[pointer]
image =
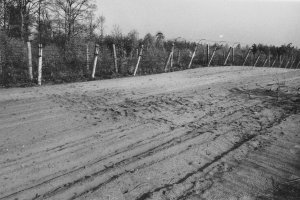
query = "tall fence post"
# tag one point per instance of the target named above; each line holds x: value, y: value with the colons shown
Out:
x: 227, y: 56
x: 139, y: 59
x: 115, y: 58
x: 170, y: 58
x: 1, y: 67
x: 207, y: 54
x: 95, y: 60
x: 281, y: 62
x: 247, y: 55
x: 269, y: 58
x: 265, y: 62
x: 212, y: 56
x: 287, y: 63
x: 29, y: 52
x: 232, y: 55
x: 293, y: 62
x: 256, y: 61
x: 87, y: 57
x: 274, y: 62
x: 192, y: 58
x: 298, y: 64
x: 40, y: 64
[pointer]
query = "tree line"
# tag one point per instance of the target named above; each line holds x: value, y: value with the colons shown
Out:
x: 69, y: 23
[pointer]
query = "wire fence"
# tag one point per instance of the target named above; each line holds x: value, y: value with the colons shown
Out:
x: 75, y: 60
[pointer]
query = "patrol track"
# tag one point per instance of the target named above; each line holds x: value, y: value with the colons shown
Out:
x: 149, y: 137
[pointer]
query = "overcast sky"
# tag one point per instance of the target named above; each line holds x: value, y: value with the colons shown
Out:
x: 246, y: 21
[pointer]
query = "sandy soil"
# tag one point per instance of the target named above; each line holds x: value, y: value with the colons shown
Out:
x: 209, y: 133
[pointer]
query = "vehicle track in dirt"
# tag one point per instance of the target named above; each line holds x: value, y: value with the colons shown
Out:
x: 120, y: 139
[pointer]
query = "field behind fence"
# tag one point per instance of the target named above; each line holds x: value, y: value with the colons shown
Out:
x: 75, y: 60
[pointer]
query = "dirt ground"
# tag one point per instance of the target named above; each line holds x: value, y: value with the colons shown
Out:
x: 208, y: 133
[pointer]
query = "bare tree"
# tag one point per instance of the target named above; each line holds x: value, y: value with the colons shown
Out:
x: 116, y: 32
x: 102, y: 21
x: 70, y: 14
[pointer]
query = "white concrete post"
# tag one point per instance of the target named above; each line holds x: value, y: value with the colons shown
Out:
x: 212, y: 56
x: 170, y: 58
x: 139, y: 59
x: 193, y: 55
x: 95, y: 60
x: 115, y: 58
x: 248, y: 53
x: 40, y: 64
x: 87, y: 57
x: 256, y: 61
x: 227, y: 56
x: 29, y: 60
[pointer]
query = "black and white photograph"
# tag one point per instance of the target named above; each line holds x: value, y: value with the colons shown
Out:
x: 149, y: 99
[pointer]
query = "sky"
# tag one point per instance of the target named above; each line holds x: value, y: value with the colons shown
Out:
x: 246, y: 21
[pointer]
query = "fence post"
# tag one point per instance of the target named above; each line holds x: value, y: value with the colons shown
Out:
x: 87, y: 57
x: 192, y: 58
x: 1, y: 68
x: 115, y: 58
x: 228, y: 54
x: 207, y: 54
x: 178, y: 59
x: 293, y: 63
x: 298, y: 64
x: 287, y: 63
x: 267, y: 58
x: 281, y: 62
x: 274, y: 61
x: 212, y: 56
x: 29, y: 60
x: 247, y: 55
x: 40, y: 64
x: 95, y: 60
x: 170, y: 58
x: 232, y: 55
x: 139, y: 59
x: 256, y: 61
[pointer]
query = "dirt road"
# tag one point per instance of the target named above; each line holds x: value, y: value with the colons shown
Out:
x: 208, y: 133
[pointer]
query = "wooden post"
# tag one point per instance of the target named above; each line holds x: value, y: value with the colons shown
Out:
x: 192, y: 58
x: 207, y: 54
x: 95, y: 60
x: 212, y: 56
x: 115, y: 58
x: 29, y: 60
x: 256, y: 61
x: 87, y: 57
x: 228, y: 54
x: 40, y: 64
x: 170, y: 58
x: 139, y: 59
x: 245, y: 60
x: 232, y: 55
